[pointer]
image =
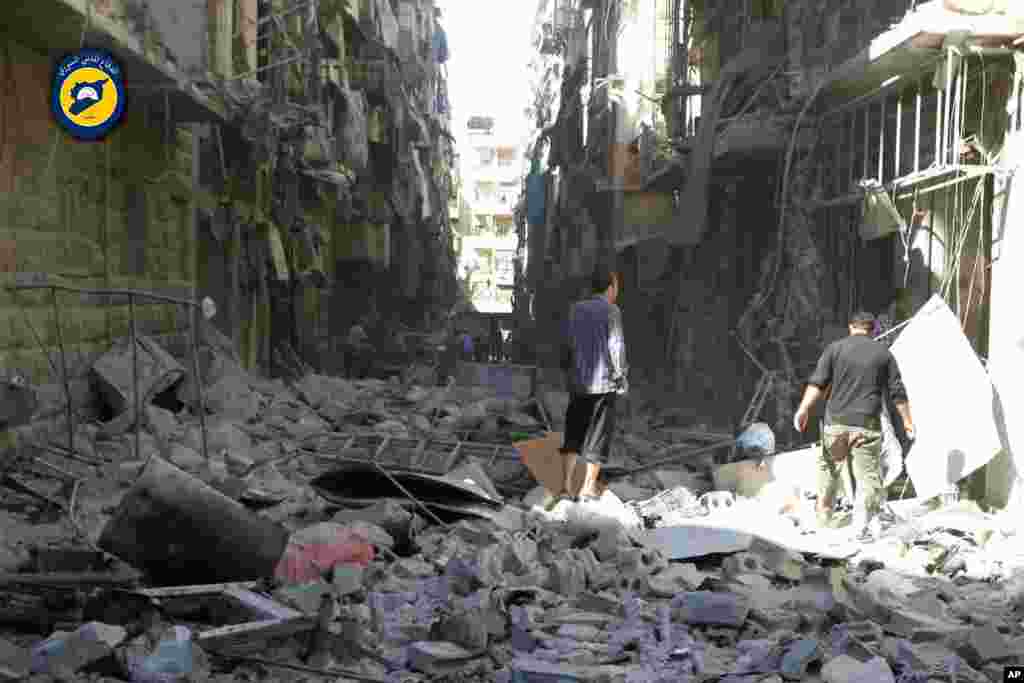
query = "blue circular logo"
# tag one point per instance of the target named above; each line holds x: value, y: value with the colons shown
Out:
x: 88, y: 94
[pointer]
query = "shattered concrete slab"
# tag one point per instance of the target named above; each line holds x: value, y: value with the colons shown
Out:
x: 687, y: 542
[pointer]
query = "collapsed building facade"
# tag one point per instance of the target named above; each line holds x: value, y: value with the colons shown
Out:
x: 289, y: 160
x: 760, y: 171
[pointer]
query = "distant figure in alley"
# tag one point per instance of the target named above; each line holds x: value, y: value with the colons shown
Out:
x: 858, y: 372
x: 594, y: 358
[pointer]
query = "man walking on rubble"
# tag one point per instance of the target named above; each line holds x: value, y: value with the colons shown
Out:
x: 858, y: 371
x: 594, y: 358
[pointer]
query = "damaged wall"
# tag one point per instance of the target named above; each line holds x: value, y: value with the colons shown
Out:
x: 110, y: 214
x: 1006, y: 347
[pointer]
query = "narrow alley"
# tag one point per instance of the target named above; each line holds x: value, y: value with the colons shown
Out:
x: 617, y: 341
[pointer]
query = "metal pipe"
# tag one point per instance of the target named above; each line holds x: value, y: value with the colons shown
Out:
x: 897, y: 167
x: 136, y: 403
x: 104, y: 292
x: 931, y: 240
x: 881, y: 142
x: 948, y: 120
x: 684, y: 58
x: 938, y: 128
x: 961, y: 102
x: 661, y: 462
x: 991, y: 51
x: 974, y: 173
x: 867, y: 137
x: 194, y: 320
x: 911, y: 179
x: 918, y: 107
x: 70, y: 409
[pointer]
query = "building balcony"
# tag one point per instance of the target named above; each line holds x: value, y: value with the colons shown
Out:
x: 916, y: 43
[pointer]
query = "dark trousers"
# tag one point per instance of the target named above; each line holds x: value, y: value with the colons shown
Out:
x: 590, y: 426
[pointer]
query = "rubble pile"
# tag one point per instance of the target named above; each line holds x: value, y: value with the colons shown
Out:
x: 244, y: 565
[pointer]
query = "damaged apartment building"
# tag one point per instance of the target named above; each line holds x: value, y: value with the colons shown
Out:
x: 288, y: 159
x: 759, y: 170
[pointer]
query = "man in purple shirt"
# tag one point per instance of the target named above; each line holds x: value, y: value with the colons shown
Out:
x: 594, y: 358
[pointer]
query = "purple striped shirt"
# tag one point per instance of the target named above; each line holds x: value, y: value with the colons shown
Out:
x: 596, y: 348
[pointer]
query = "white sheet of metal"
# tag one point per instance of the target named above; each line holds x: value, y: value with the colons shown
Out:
x: 951, y: 400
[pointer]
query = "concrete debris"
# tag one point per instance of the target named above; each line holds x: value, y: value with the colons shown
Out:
x: 665, y: 577
x: 688, y: 542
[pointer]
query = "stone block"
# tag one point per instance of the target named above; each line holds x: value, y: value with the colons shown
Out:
x: 390, y: 516
x: 676, y: 578
x: 437, y: 658
x: 305, y: 597
x: 14, y: 662
x: 798, y: 657
x: 587, y: 560
x: 841, y: 669
x: 745, y: 563
x: 776, y: 618
x: 712, y: 609
x: 898, y: 650
x: 468, y: 630
x: 186, y: 458
x: 846, y: 669
x: 778, y: 560
x: 347, y: 579
x: 640, y: 562
x: 984, y: 644
x: 163, y: 424
x: 609, y: 543
x: 690, y: 541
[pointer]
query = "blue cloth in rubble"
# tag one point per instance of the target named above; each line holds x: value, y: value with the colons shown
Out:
x: 758, y: 438
x: 440, y: 45
x: 536, y: 198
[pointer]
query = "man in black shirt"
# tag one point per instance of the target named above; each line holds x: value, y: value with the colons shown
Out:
x: 859, y: 372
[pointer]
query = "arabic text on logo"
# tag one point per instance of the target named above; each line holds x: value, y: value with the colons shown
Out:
x: 88, y: 94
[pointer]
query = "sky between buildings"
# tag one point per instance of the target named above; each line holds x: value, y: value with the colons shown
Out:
x: 489, y: 44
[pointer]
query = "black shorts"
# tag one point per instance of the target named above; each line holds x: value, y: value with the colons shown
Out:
x: 590, y: 426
